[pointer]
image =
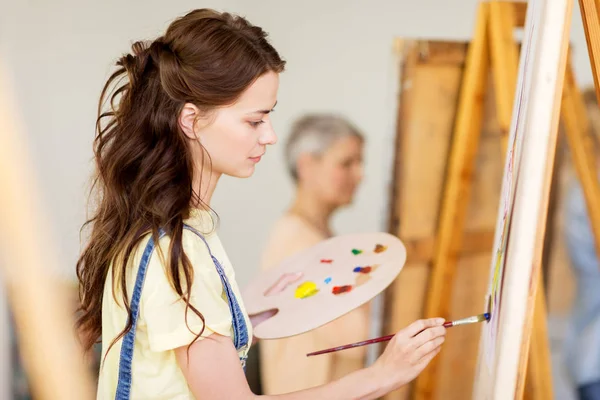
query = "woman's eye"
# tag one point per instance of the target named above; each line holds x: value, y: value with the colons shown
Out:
x: 254, y: 124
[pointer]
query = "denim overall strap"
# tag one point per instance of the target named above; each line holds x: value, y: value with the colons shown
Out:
x: 240, y: 329
x: 124, y: 382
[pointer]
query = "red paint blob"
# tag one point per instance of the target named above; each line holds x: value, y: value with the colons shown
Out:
x: 324, y: 261
x: 341, y: 289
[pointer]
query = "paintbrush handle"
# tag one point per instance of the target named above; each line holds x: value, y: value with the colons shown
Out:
x: 363, y: 343
x: 349, y: 346
x: 447, y: 324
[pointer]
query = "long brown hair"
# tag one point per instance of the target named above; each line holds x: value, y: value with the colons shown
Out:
x: 144, y: 167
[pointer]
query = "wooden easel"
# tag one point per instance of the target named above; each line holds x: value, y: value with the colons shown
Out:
x: 494, y: 36
x: 431, y: 75
x: 494, y: 39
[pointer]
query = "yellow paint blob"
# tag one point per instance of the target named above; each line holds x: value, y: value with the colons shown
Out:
x: 306, y: 289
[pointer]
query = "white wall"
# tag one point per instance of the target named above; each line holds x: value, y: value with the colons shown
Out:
x: 339, y: 57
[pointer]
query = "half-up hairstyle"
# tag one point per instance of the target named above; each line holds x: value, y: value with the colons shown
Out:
x: 144, y: 168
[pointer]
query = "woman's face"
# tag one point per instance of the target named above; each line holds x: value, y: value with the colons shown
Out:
x: 335, y: 175
x: 237, y: 136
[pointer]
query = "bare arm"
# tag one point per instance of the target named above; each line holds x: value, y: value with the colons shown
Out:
x: 213, y: 370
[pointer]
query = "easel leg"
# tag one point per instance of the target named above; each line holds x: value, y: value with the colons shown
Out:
x: 590, y: 14
x: 462, y: 155
x: 505, y: 63
x: 539, y: 368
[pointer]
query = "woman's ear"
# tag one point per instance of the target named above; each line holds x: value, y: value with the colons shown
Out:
x: 305, y: 166
x: 187, y: 120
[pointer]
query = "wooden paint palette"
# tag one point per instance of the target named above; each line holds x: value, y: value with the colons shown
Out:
x: 324, y: 282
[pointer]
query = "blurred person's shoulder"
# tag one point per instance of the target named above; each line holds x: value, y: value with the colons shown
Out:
x: 288, y: 235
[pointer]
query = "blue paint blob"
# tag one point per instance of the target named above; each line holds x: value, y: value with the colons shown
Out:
x: 363, y: 270
x: 327, y: 280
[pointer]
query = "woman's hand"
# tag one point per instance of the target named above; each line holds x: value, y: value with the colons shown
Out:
x: 409, y: 351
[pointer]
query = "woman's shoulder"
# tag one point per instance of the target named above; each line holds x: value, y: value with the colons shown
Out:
x: 194, y: 242
x: 194, y: 246
x: 292, y: 224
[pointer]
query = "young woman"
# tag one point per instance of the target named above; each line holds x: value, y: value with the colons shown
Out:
x: 324, y: 158
x: 156, y: 283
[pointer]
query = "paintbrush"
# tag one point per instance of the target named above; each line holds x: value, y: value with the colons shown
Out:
x: 470, y: 320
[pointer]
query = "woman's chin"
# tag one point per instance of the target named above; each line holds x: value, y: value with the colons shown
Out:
x: 246, y: 172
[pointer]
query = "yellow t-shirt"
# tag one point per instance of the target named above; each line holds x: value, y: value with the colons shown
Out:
x: 161, y: 325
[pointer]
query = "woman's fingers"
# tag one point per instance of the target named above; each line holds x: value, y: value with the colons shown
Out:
x: 429, y: 347
x: 428, y: 335
x: 419, y: 326
x: 424, y: 361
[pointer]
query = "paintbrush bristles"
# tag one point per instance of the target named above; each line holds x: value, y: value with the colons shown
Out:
x: 470, y: 320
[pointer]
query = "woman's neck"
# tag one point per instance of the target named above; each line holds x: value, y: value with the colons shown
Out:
x: 204, y: 186
x: 312, y: 210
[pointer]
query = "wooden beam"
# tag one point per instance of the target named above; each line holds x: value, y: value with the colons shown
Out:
x: 422, y: 250
x: 456, y: 194
x: 560, y: 288
x: 590, y: 11
x: 519, y: 9
x: 505, y: 62
x: 553, y: 212
x: 539, y: 368
x: 434, y: 53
